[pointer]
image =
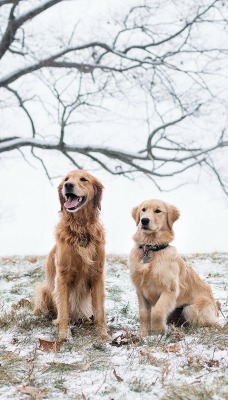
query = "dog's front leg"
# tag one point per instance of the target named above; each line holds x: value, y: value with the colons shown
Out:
x: 98, y: 295
x: 144, y: 314
x: 164, y: 306
x: 61, y: 298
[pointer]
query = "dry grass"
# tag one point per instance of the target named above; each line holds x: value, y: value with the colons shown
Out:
x: 183, y: 364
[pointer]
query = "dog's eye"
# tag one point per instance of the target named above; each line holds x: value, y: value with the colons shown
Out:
x: 66, y: 179
x: 143, y: 209
x: 157, y: 211
x: 83, y: 179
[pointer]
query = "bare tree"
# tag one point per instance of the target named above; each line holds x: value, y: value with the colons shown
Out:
x: 163, y: 62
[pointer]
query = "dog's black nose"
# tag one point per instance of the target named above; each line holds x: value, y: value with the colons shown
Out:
x: 145, y: 221
x: 69, y: 186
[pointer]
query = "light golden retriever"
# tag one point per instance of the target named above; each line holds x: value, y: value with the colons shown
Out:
x: 163, y: 280
x: 74, y: 286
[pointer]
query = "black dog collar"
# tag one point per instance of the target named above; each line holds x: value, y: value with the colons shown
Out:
x: 147, y: 247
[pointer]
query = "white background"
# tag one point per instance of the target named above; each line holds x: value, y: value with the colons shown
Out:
x: 29, y: 207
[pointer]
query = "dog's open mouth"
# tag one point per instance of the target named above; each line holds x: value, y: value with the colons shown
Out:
x: 73, y: 201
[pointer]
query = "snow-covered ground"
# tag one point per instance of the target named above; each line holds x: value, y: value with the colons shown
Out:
x: 184, y: 364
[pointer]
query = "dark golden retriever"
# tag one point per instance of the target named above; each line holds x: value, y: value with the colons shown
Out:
x: 163, y: 281
x: 74, y: 286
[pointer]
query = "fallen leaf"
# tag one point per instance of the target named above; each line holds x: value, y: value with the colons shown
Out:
x: 14, y: 340
x: 117, y: 376
x: 47, y: 345
x: 150, y: 357
x: 212, y: 363
x: 85, y: 367
x: 173, y: 348
x: 84, y: 322
x: 13, y: 278
x: 35, y: 393
x: 195, y: 360
x: 21, y: 303
x: 178, y: 334
x: 123, y: 337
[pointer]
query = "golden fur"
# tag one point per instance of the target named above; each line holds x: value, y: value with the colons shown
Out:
x: 74, y: 286
x: 166, y: 282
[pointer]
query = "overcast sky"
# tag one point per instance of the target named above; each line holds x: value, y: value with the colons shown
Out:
x: 29, y: 204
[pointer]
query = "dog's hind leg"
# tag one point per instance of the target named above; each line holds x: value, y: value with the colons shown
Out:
x: 202, y: 313
x: 43, y: 300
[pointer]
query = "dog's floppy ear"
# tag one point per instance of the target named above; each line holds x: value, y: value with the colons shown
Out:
x: 135, y: 214
x: 61, y: 198
x: 173, y: 215
x: 98, y: 189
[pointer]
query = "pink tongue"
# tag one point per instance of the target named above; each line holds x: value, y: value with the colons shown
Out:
x: 72, y: 203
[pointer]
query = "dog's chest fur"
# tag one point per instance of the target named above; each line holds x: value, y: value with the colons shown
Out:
x: 78, y: 263
x: 154, y: 277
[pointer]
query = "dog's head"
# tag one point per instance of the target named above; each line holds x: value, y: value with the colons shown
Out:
x: 155, y: 215
x: 78, y: 189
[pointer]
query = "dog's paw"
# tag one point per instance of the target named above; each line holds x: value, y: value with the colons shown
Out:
x: 144, y: 332
x: 104, y: 334
x: 159, y: 328
x: 64, y: 332
x: 158, y: 325
x: 36, y: 311
x: 106, y: 337
x: 158, y: 322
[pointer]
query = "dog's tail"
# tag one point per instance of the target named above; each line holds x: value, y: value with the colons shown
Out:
x: 43, y: 300
x: 202, y: 313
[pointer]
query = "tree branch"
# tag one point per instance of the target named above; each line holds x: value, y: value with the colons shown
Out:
x: 15, y: 23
